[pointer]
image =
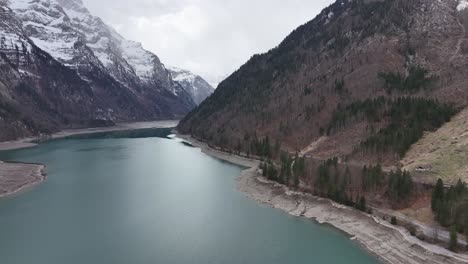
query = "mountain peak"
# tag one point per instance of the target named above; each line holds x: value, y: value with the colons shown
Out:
x: 192, y: 83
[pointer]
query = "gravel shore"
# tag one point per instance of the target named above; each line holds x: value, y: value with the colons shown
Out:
x: 16, y: 177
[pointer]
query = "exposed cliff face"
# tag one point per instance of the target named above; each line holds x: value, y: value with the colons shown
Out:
x: 301, y: 92
x: 196, y: 86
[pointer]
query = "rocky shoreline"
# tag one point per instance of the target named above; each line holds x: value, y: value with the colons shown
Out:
x: 391, y: 244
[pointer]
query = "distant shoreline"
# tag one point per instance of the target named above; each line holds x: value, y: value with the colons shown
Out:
x: 29, y: 141
x: 16, y: 177
x: 390, y: 244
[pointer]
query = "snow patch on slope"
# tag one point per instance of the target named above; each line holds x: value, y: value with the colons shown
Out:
x: 46, y: 19
x: 57, y: 49
x: 462, y: 5
x: 180, y: 75
x: 19, y: 4
x: 196, y: 86
x: 141, y: 60
x: 11, y: 41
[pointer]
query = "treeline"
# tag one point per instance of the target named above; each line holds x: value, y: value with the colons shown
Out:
x: 292, y: 169
x: 260, y: 147
x: 400, y: 186
x: 372, y: 177
x: 416, y: 79
x: 251, y: 146
x: 450, y: 206
x: 331, y: 183
x: 369, y: 109
x: 341, y: 187
x: 335, y: 181
x: 409, y: 118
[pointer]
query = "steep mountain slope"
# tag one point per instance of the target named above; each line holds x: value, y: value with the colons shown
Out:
x: 67, y: 31
x: 363, y: 80
x: 63, y: 67
x: 58, y: 26
x: 198, y: 88
x: 37, y: 93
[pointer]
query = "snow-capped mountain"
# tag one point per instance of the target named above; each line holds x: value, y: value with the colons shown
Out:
x: 37, y: 93
x: 198, y: 88
x: 60, y: 67
x: 67, y: 31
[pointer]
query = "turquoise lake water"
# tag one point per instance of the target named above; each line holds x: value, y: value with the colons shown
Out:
x: 152, y: 200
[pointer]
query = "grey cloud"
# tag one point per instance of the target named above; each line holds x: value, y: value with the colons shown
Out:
x: 209, y: 37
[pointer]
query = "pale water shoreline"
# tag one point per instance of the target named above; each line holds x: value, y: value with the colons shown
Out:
x: 390, y: 244
x: 16, y: 177
x: 29, y: 142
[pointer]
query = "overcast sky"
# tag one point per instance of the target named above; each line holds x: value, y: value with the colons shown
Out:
x: 212, y: 38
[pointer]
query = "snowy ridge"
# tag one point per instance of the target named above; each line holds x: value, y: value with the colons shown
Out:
x: 110, y: 47
x: 67, y: 31
x: 198, y: 88
x: 180, y: 75
x: 57, y: 26
x: 141, y: 60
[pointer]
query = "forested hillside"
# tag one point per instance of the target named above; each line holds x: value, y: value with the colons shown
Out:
x: 363, y: 80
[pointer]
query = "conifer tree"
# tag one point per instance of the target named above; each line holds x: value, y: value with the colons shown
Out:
x: 437, y: 195
x: 453, y: 244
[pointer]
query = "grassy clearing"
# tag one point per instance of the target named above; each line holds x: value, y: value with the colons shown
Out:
x: 444, y: 152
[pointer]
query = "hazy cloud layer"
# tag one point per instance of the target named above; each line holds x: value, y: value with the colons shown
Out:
x: 209, y: 37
